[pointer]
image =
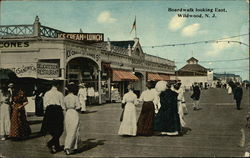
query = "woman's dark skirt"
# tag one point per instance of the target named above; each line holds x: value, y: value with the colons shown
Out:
x: 146, y: 118
x: 53, y: 120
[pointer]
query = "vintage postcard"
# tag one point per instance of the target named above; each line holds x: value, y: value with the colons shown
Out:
x: 124, y: 78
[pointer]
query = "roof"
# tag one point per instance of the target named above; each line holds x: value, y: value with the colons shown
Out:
x: 104, y: 46
x: 123, y: 44
x: 192, y: 69
x: 192, y: 59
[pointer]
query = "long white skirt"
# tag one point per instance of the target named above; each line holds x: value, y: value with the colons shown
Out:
x: 229, y: 90
x: 82, y: 103
x: 181, y: 113
x: 72, y: 129
x: 128, y: 125
x: 4, y: 119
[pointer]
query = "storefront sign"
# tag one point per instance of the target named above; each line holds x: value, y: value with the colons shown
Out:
x: 94, y: 37
x: 14, y: 44
x: 70, y: 53
x: 47, y: 70
x: 22, y: 69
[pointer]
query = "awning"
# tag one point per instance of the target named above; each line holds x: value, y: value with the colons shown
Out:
x: 121, y: 75
x: 154, y: 77
x: 165, y: 77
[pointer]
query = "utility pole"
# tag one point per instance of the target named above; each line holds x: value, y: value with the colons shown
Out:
x: 0, y: 12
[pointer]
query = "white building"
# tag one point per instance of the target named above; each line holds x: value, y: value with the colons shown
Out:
x: 193, y: 72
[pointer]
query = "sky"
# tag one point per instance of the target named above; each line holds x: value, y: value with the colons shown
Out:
x: 157, y: 24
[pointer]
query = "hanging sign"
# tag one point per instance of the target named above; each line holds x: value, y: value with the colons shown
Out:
x: 91, y: 37
x: 47, y: 70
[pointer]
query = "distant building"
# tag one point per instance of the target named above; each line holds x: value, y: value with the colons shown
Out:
x: 193, y: 72
x: 226, y: 77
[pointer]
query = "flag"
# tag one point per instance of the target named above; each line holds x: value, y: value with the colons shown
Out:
x: 134, y: 26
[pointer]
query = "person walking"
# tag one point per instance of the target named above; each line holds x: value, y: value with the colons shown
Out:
x: 4, y: 114
x: 146, y: 118
x: 71, y: 120
x: 38, y: 101
x: 229, y: 89
x: 128, y: 125
x: 196, y: 96
x: 167, y: 120
x: 238, y: 92
x: 82, y: 96
x: 91, y: 95
x: 11, y: 92
x: 19, y: 127
x: 53, y: 117
x: 181, y: 105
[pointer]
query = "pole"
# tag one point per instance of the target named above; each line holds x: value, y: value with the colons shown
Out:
x: 0, y: 12
x: 99, y: 87
x: 135, y: 28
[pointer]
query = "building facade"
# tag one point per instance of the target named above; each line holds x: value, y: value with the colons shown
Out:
x: 40, y: 52
x: 193, y: 72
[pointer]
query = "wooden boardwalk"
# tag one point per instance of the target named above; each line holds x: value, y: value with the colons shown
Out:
x: 216, y: 131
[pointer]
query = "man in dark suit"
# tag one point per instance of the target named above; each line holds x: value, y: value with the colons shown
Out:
x: 196, y: 96
x: 238, y: 92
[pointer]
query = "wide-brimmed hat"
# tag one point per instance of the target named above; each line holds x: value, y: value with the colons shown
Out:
x: 161, y: 86
x: 11, y: 85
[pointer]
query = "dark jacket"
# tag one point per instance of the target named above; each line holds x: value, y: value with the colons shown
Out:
x: 238, y: 92
x: 167, y: 119
x: 196, y: 93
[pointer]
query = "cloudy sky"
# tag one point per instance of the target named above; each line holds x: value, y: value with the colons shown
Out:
x: 156, y: 26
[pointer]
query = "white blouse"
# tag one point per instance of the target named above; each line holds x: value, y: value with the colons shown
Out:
x: 130, y: 97
x: 148, y: 95
x: 71, y: 101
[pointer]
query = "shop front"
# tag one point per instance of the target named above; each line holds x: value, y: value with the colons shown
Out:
x: 120, y: 81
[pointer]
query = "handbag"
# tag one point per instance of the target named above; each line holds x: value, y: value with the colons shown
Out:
x: 123, y: 105
x: 192, y: 96
x: 121, y: 117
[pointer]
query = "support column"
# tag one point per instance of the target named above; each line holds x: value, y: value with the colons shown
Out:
x: 109, y: 88
x: 99, y: 86
x: 144, y: 81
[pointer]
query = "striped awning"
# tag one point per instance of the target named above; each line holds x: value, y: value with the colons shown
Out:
x: 154, y: 77
x: 121, y: 75
x: 165, y: 77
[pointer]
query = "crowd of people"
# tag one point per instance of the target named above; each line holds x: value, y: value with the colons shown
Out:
x: 162, y: 112
x: 60, y: 114
x: 13, y: 121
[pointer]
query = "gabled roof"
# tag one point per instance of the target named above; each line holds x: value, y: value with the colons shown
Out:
x: 192, y: 59
x: 192, y: 69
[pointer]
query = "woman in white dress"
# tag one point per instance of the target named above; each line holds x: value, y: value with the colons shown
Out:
x: 181, y: 105
x: 128, y: 125
x: 72, y: 124
x: 82, y: 95
x: 229, y: 89
x: 4, y: 114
